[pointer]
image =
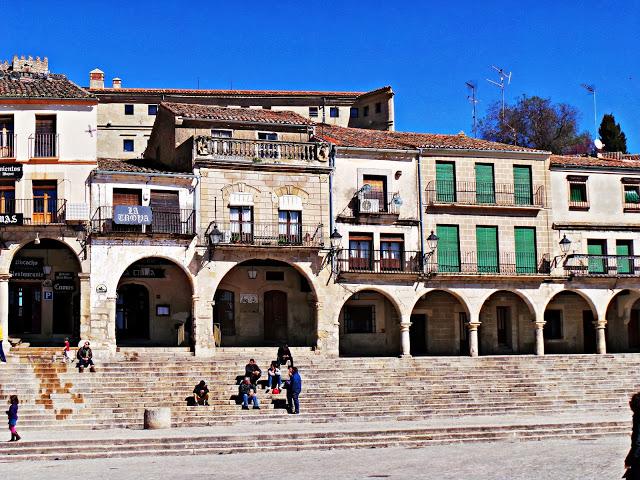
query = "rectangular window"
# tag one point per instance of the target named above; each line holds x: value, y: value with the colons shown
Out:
x: 128, y: 109
x: 45, y: 201
x: 127, y: 196
x: 485, y: 185
x: 553, y: 324
x: 378, y: 107
x: 7, y: 196
x: 334, y: 112
x: 578, y: 198
x: 374, y: 200
x: 448, y: 248
x: 361, y: 251
x: 526, y: 256
x: 391, y: 252
x: 241, y: 223
x: 268, y: 150
x: 289, y: 223
x: 597, y: 250
x: 45, y: 140
x: 152, y: 109
x: 163, y: 310
x: 313, y: 112
x: 359, y: 319
x: 365, y: 111
x: 522, y: 189
x: 487, y: 249
x: 354, y: 112
x: 127, y: 145
x: 221, y: 133
x: 274, y: 276
x: 624, y: 257
x: 632, y: 197
x: 445, y: 182
x: 7, y: 137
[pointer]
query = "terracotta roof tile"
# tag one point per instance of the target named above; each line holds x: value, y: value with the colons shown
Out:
x: 35, y: 85
x: 630, y: 162
x: 228, y: 93
x: 358, y: 137
x: 210, y: 112
x: 135, y: 165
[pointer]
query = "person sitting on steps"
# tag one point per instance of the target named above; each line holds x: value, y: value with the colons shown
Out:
x: 252, y: 370
x: 247, y: 393
x: 201, y: 393
x: 274, y: 376
x: 85, y: 358
x: 284, y: 355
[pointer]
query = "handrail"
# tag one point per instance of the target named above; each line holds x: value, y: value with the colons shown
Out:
x: 35, y: 211
x: 258, y: 150
x: 271, y: 234
x: 488, y: 263
x: 7, y: 145
x: 443, y: 192
x: 379, y: 261
x: 163, y: 221
x: 602, y: 265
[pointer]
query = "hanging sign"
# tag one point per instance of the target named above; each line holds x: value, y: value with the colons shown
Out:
x: 11, y: 219
x: 65, y: 275
x: 132, y: 215
x: 11, y: 171
x: 27, y: 268
x: 64, y: 286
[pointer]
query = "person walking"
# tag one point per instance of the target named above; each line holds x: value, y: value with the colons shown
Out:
x: 632, y: 461
x: 66, y: 354
x: 294, y: 387
x: 12, y: 413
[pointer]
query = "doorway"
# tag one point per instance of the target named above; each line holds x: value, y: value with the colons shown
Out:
x: 25, y: 308
x: 589, y: 332
x: 275, y: 316
x: 503, y: 320
x: 132, y: 312
x: 418, y: 334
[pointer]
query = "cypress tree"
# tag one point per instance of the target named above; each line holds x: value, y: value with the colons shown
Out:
x: 612, y: 135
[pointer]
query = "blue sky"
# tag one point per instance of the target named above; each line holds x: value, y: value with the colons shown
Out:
x: 424, y: 50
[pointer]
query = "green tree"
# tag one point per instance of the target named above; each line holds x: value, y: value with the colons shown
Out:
x: 612, y: 135
x: 535, y: 122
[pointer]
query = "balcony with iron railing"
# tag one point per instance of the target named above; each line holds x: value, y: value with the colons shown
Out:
x: 43, y: 145
x: 271, y: 234
x: 32, y: 211
x: 379, y: 261
x: 377, y: 203
x: 476, y: 194
x: 602, y: 265
x: 258, y: 151
x: 163, y: 221
x: 7, y: 145
x: 487, y: 263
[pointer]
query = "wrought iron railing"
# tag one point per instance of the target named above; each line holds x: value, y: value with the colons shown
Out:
x: 33, y: 211
x: 379, y: 261
x: 602, y: 265
x: 218, y: 148
x: 7, y: 145
x: 475, y: 193
x: 44, y: 145
x: 271, y: 234
x: 487, y: 263
x: 163, y: 221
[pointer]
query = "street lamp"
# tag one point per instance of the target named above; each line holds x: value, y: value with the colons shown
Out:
x: 432, y: 241
x: 565, y: 244
x: 336, y: 240
x: 215, y: 237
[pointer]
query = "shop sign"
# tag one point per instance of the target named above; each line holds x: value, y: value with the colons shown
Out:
x: 64, y: 286
x: 11, y: 171
x: 132, y: 215
x: 27, y: 268
x: 65, y: 276
x: 143, y: 272
x: 11, y: 219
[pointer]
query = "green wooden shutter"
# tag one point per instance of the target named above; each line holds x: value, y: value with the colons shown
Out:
x: 623, y: 251
x: 445, y: 182
x: 526, y: 258
x: 522, y: 185
x: 485, y: 188
x: 448, y: 248
x: 487, y: 249
x: 596, y: 262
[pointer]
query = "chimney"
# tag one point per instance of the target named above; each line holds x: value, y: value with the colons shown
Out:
x: 96, y: 79
x: 117, y: 82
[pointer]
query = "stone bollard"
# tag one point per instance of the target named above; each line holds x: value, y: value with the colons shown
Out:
x: 155, y: 418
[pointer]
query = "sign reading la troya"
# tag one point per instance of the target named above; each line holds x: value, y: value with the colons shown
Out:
x: 132, y: 215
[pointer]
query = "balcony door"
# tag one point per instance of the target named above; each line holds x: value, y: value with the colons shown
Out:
x: 526, y: 257
x: 289, y: 232
x: 6, y: 137
x: 448, y: 248
x: 377, y: 192
x: 165, y: 206
x: 7, y: 196
x: 391, y: 253
x: 522, y: 188
x: 241, y: 223
x: 45, y: 139
x: 360, y: 252
x: 487, y: 249
x: 597, y: 261
x: 624, y: 254
x: 485, y: 185
x: 45, y: 202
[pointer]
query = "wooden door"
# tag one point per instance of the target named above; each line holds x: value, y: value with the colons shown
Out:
x: 418, y: 334
x: 132, y: 311
x: 165, y: 206
x: 45, y: 202
x: 275, y: 316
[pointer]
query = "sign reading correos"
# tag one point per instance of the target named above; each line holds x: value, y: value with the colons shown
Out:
x: 132, y: 215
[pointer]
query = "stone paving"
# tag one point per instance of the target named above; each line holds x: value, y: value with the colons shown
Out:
x: 562, y: 460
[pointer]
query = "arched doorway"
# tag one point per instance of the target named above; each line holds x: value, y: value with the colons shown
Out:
x: 439, y: 325
x: 569, y: 324
x: 623, y: 322
x: 44, y: 293
x: 369, y: 326
x: 506, y: 325
x: 265, y: 303
x: 153, y: 305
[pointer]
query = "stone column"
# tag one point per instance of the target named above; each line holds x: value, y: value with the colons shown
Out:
x: 4, y: 311
x: 601, y: 338
x: 85, y: 305
x: 405, y: 338
x: 108, y: 332
x: 540, y: 338
x: 473, y: 338
x: 202, y: 329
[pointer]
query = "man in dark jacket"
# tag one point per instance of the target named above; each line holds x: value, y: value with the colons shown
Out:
x: 201, y: 393
x: 85, y: 358
x: 247, y: 393
x: 284, y: 355
x: 294, y: 387
x: 252, y: 370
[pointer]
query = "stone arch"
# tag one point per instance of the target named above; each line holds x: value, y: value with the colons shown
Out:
x: 580, y: 293
x: 142, y: 256
x: 570, y: 318
x: 398, y: 308
x: 623, y: 322
x: 16, y: 248
x: 290, y: 190
x: 238, y: 187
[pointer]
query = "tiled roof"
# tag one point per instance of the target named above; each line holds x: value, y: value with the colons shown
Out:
x: 227, y: 93
x: 254, y: 115
x: 358, y: 137
x: 35, y: 85
x: 386, y: 89
x: 135, y: 165
x: 626, y: 162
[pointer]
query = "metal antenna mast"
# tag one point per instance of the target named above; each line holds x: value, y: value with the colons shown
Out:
x: 591, y: 89
x: 473, y: 100
x: 503, y: 75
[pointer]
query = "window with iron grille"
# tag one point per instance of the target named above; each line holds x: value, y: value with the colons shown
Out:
x: 360, y: 319
x: 578, y: 196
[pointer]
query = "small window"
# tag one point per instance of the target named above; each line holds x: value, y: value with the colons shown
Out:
x: 378, y: 107
x: 553, y: 325
x: 632, y: 197
x: 267, y: 136
x: 128, y: 109
x: 275, y: 276
x: 334, y: 112
x: 365, y: 111
x: 221, y: 133
x: 360, y: 319
x: 354, y: 112
x: 313, y: 111
x: 127, y: 145
x: 163, y: 310
x: 578, y: 199
x: 151, y: 109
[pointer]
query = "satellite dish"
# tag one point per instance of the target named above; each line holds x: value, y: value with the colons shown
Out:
x: 397, y: 200
x: 598, y: 143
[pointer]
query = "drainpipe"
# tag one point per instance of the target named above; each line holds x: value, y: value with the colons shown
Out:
x: 421, y: 219
x: 332, y: 164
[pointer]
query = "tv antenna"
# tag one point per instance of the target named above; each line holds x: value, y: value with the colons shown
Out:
x: 473, y: 100
x: 503, y: 76
x: 591, y: 90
